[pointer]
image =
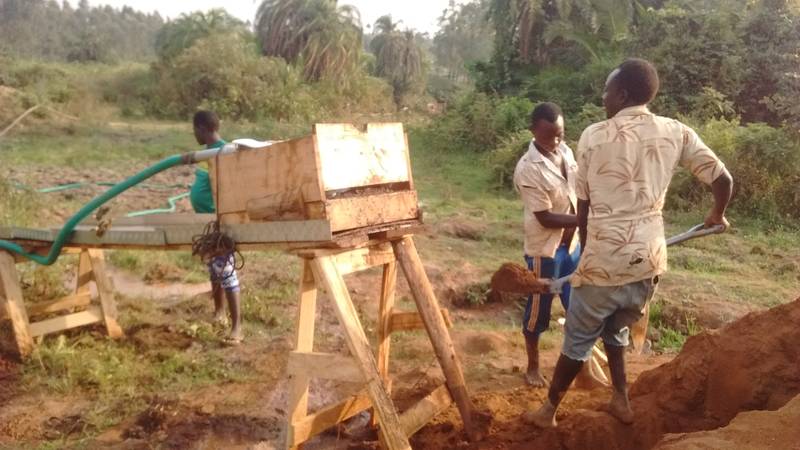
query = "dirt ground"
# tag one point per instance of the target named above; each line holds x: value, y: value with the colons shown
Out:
x: 749, y: 364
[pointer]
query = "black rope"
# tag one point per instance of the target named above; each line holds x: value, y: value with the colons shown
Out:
x: 213, y: 243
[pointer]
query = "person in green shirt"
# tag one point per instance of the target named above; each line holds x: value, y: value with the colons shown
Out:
x: 224, y: 280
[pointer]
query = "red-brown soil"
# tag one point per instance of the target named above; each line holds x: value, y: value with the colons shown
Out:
x: 512, y: 277
x: 751, y: 364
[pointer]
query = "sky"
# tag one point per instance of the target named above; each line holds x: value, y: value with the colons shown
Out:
x: 421, y: 15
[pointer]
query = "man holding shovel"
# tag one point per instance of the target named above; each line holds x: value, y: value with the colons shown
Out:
x: 626, y: 164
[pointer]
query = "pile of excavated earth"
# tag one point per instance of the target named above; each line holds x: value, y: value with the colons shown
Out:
x: 736, y: 387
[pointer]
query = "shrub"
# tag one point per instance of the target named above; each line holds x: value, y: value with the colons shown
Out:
x: 225, y: 73
x: 764, y: 162
x: 478, y: 122
x: 503, y: 159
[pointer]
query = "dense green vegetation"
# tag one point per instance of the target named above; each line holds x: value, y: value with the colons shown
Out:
x: 728, y: 68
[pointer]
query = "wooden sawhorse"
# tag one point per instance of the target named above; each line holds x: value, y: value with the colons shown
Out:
x: 324, y: 269
x: 91, y: 267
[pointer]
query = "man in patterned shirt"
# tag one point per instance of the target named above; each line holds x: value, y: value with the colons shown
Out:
x: 625, y: 165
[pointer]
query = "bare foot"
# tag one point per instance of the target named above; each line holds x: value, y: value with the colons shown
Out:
x: 544, y: 417
x: 535, y: 379
x: 620, y: 407
x: 235, y: 338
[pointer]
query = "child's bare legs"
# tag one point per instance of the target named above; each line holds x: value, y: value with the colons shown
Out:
x: 219, y: 304
x: 235, y: 308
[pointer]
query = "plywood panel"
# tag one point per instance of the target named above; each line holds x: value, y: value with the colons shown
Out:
x: 359, y: 212
x: 349, y: 158
x: 251, y: 174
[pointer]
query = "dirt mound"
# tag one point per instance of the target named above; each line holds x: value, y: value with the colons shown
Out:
x: 512, y: 277
x: 750, y: 364
x: 463, y: 229
x: 177, y: 426
x: 481, y: 343
x: 148, y: 337
x: 753, y: 430
x: 709, y: 314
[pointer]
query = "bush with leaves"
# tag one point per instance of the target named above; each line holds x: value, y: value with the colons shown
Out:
x: 478, y: 122
x: 764, y: 162
x: 225, y: 73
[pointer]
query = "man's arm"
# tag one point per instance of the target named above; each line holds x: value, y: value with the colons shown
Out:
x: 583, y: 219
x: 553, y: 220
x: 722, y: 188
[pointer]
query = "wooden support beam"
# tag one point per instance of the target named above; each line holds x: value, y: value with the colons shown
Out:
x: 313, y: 424
x: 364, y: 258
x: 91, y: 315
x: 85, y: 275
x: 415, y: 417
x: 326, y: 273
x: 304, y: 342
x: 388, y: 287
x: 68, y: 302
x: 324, y: 365
x: 105, y: 291
x: 476, y: 424
x: 11, y: 291
x: 411, y: 320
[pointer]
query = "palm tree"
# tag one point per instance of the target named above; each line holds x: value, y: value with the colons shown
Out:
x: 598, y: 26
x: 400, y: 61
x: 383, y: 28
x: 322, y: 36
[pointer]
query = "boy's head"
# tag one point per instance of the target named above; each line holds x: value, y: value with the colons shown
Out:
x: 634, y: 82
x: 547, y: 125
x: 206, y: 126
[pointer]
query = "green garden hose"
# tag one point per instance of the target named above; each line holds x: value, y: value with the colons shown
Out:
x: 172, y: 207
x: 69, y: 227
x: 63, y: 235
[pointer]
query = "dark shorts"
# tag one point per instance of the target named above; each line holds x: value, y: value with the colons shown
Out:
x: 604, y: 312
x: 537, y: 311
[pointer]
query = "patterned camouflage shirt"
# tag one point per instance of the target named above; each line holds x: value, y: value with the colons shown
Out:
x: 625, y: 165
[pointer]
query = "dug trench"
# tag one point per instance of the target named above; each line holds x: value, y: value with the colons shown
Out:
x: 751, y: 364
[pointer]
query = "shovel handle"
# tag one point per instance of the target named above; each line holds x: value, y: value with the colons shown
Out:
x: 700, y: 230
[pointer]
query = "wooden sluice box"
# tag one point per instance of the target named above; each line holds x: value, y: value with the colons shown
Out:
x: 339, y: 175
x: 343, y: 201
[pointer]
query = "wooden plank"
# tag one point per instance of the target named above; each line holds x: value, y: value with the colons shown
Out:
x: 70, y: 301
x: 370, y: 210
x: 260, y: 232
x: 364, y: 258
x: 327, y: 274
x: 281, y: 167
x: 324, y: 365
x: 84, y: 275
x: 92, y: 315
x: 314, y: 424
x: 475, y: 424
x: 639, y: 331
x: 159, y: 220
x: 388, y: 287
x: 304, y: 342
x: 350, y: 158
x: 11, y: 291
x: 411, y: 320
x: 105, y: 291
x: 418, y: 415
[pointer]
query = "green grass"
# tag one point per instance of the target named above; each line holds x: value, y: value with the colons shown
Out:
x: 755, y: 264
